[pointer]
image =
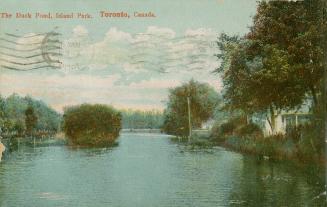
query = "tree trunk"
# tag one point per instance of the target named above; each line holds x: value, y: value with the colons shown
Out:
x: 314, y: 95
x: 272, y: 120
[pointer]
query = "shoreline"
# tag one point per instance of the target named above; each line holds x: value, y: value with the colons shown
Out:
x: 278, y: 156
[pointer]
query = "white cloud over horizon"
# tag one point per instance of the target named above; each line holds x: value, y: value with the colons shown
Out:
x: 122, y: 69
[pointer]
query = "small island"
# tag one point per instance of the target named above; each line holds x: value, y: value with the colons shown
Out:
x: 91, y: 125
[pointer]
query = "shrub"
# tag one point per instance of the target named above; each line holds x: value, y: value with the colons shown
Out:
x: 92, y: 125
x: 295, y: 133
x: 249, y: 129
x: 227, y: 128
x: 311, y: 142
x: 214, y: 132
x: 236, y: 126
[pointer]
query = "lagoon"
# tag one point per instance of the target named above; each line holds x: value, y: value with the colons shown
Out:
x: 150, y: 170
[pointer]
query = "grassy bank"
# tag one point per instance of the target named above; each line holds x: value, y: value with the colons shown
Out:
x: 15, y: 143
x: 303, y: 144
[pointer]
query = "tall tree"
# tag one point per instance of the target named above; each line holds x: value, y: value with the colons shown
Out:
x: 203, y: 101
x: 30, y: 119
x: 298, y: 30
x: 279, y: 63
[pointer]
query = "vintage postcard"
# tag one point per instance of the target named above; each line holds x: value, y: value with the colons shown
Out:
x: 155, y: 103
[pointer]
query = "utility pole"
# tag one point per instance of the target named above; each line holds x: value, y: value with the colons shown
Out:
x: 189, y: 119
x: 324, y: 94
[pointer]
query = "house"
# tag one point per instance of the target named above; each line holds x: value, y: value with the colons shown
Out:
x: 284, y: 120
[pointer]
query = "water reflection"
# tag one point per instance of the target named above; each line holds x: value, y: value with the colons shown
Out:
x: 149, y: 170
x: 91, y: 152
x: 277, y: 184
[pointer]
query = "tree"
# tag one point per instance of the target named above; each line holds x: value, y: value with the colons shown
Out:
x: 2, y: 114
x: 30, y: 119
x: 203, y: 101
x: 137, y: 119
x: 92, y: 125
x: 279, y: 63
x: 13, y: 117
x: 297, y: 30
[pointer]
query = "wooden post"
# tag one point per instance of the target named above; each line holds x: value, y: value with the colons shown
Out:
x: 189, y: 119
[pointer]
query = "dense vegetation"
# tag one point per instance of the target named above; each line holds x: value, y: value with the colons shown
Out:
x: 280, y: 62
x: 136, y: 119
x: 92, y: 125
x: 302, y: 143
x: 203, y: 102
x: 277, y: 66
x: 21, y: 116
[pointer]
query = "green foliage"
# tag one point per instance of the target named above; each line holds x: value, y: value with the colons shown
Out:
x: 299, y: 31
x: 279, y: 63
x: 250, y: 129
x: 203, y: 101
x: 30, y: 119
x: 92, y: 125
x: 136, y: 119
x: 19, y: 127
x: 227, y: 128
x: 310, y: 144
x: 13, y: 115
x: 236, y: 126
x: 276, y: 67
x: 303, y: 143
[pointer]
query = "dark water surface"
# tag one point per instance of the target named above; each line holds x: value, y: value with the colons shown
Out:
x: 148, y: 170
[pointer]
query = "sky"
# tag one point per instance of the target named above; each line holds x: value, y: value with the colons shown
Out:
x: 125, y: 62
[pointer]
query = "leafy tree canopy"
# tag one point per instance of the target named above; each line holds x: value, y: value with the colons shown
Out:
x: 13, y: 114
x: 203, y: 101
x: 280, y: 62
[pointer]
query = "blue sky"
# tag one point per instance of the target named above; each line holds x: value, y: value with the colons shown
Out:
x: 129, y: 63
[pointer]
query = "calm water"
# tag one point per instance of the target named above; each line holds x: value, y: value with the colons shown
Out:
x: 149, y: 170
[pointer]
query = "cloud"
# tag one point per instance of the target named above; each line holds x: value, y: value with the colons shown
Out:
x: 123, y: 69
x: 156, y: 50
x: 156, y: 83
x: 114, y: 35
x: 200, y: 32
x: 80, y: 30
x: 161, y: 32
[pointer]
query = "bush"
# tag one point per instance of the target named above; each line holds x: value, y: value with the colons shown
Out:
x: 295, y: 133
x: 92, y: 125
x: 227, y: 128
x: 249, y: 129
x: 311, y: 143
x: 304, y: 143
x: 235, y: 126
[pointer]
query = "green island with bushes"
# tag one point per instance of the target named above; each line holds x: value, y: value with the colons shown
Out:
x: 91, y: 125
